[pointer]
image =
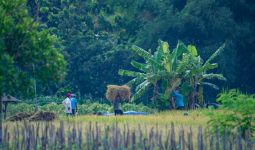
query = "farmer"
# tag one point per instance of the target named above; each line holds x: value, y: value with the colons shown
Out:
x: 67, y: 104
x: 73, y: 104
x: 178, y: 99
x: 116, y: 106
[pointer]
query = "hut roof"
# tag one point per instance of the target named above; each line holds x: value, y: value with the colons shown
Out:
x: 9, y: 98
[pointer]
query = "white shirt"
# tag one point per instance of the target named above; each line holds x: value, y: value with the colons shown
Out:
x: 67, y: 104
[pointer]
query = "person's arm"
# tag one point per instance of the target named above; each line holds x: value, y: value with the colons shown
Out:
x: 64, y: 102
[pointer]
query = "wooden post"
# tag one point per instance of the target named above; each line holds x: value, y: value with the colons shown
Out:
x: 5, y: 109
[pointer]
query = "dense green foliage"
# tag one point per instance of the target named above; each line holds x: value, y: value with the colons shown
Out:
x: 167, y: 69
x: 236, y: 114
x: 97, y: 35
x: 28, y: 54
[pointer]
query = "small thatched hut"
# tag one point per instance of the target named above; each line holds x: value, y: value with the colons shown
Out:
x: 6, y: 99
x: 115, y: 92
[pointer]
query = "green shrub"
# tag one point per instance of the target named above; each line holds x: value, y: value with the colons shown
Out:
x: 84, y: 109
x: 13, y: 109
x: 53, y: 107
x: 236, y: 113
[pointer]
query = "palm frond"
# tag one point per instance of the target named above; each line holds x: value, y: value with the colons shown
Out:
x: 210, y: 85
x: 140, y: 90
x: 180, y: 49
x: 141, y: 52
x: 215, y: 54
x: 214, y: 76
x: 139, y: 66
x: 130, y: 73
x: 134, y: 81
x: 159, y: 53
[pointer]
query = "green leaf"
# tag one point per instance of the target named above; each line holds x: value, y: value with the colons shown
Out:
x: 177, y: 52
x: 140, y: 90
x: 141, y: 52
x: 140, y: 66
x: 215, y: 54
x: 165, y: 47
x: 192, y: 49
x: 134, y: 81
x: 146, y: 55
x: 180, y: 49
x: 210, y: 85
x: 130, y: 73
x: 214, y: 76
x: 212, y: 66
x: 159, y: 53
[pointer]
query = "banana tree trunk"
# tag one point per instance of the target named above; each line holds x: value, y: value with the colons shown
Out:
x: 155, y: 91
x: 192, y: 97
x: 201, y: 95
x: 173, y: 85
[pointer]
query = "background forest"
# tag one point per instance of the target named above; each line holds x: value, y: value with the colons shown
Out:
x: 95, y: 37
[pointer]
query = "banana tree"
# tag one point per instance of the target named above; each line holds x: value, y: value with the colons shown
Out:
x: 172, y: 76
x: 148, y: 75
x: 161, y: 66
x: 196, y: 72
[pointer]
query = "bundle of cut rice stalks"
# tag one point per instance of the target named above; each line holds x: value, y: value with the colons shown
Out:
x: 113, y: 91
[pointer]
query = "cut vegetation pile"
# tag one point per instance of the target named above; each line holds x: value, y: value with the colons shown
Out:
x: 38, y: 116
x: 20, y: 116
x: 113, y: 91
x: 43, y: 116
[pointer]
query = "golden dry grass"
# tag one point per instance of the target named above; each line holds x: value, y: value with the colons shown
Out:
x: 194, y: 119
x: 160, y: 122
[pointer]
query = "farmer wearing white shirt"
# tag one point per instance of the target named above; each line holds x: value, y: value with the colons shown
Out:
x: 67, y: 104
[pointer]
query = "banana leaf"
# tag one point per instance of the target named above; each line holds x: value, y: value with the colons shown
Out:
x: 130, y: 73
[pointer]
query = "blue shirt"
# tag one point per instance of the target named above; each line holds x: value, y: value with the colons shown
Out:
x: 73, y: 103
x: 178, y: 98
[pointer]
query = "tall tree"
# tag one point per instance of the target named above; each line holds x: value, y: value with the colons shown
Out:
x: 95, y: 34
x: 180, y: 66
x: 28, y: 54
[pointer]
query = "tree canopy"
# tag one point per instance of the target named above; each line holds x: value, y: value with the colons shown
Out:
x: 27, y: 52
x: 96, y: 37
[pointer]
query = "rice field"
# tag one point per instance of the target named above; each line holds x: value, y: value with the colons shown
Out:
x: 167, y: 130
x: 193, y: 119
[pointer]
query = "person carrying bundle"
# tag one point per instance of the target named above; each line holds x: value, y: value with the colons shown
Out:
x: 116, y: 106
x: 118, y: 94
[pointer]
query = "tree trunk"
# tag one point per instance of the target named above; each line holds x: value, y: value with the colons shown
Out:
x: 155, y: 91
x: 192, y: 98
x: 201, y: 95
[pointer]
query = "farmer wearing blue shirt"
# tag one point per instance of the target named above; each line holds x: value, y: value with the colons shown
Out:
x: 73, y: 104
x: 178, y: 98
